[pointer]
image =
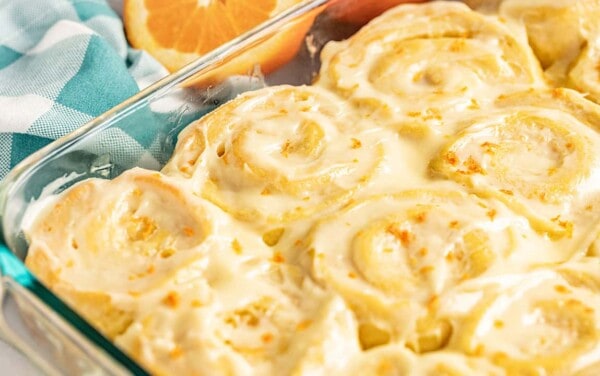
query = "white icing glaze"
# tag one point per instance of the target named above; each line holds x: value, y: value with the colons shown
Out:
x: 423, y: 209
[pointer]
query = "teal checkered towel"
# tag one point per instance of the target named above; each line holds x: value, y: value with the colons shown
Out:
x: 62, y: 63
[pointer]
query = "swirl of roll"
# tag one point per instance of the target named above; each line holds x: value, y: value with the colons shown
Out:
x: 103, y: 244
x: 278, y: 154
x: 538, y: 153
x: 584, y: 75
x: 557, y: 30
x: 249, y: 324
x: 394, y: 254
x: 544, y: 322
x: 594, y: 249
x: 415, y: 67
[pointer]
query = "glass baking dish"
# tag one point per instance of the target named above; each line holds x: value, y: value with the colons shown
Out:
x: 33, y: 319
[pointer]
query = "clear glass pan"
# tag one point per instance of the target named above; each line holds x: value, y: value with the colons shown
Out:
x: 45, y: 329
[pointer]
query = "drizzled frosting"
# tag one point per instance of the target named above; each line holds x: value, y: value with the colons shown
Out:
x: 428, y: 207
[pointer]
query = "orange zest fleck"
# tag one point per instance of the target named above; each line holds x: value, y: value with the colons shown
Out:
x: 278, y: 258
x: 172, y: 299
x: 561, y: 289
x: 473, y: 167
x: 267, y: 337
x: 404, y: 236
x: 302, y: 325
x: 236, y: 246
x: 451, y: 158
x: 176, y: 352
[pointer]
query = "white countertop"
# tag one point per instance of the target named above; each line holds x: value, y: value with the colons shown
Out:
x: 13, y: 363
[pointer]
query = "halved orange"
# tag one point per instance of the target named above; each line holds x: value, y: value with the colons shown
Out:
x: 176, y: 32
x: 362, y: 11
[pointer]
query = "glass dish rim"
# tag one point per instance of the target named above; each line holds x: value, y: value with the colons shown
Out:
x: 154, y: 90
x: 13, y: 269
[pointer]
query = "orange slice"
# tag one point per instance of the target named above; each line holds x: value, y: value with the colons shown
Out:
x: 362, y: 11
x: 177, y: 32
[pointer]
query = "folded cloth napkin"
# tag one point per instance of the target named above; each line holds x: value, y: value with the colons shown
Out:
x: 62, y: 63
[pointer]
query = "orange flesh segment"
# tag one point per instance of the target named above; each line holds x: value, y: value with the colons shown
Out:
x: 188, y: 27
